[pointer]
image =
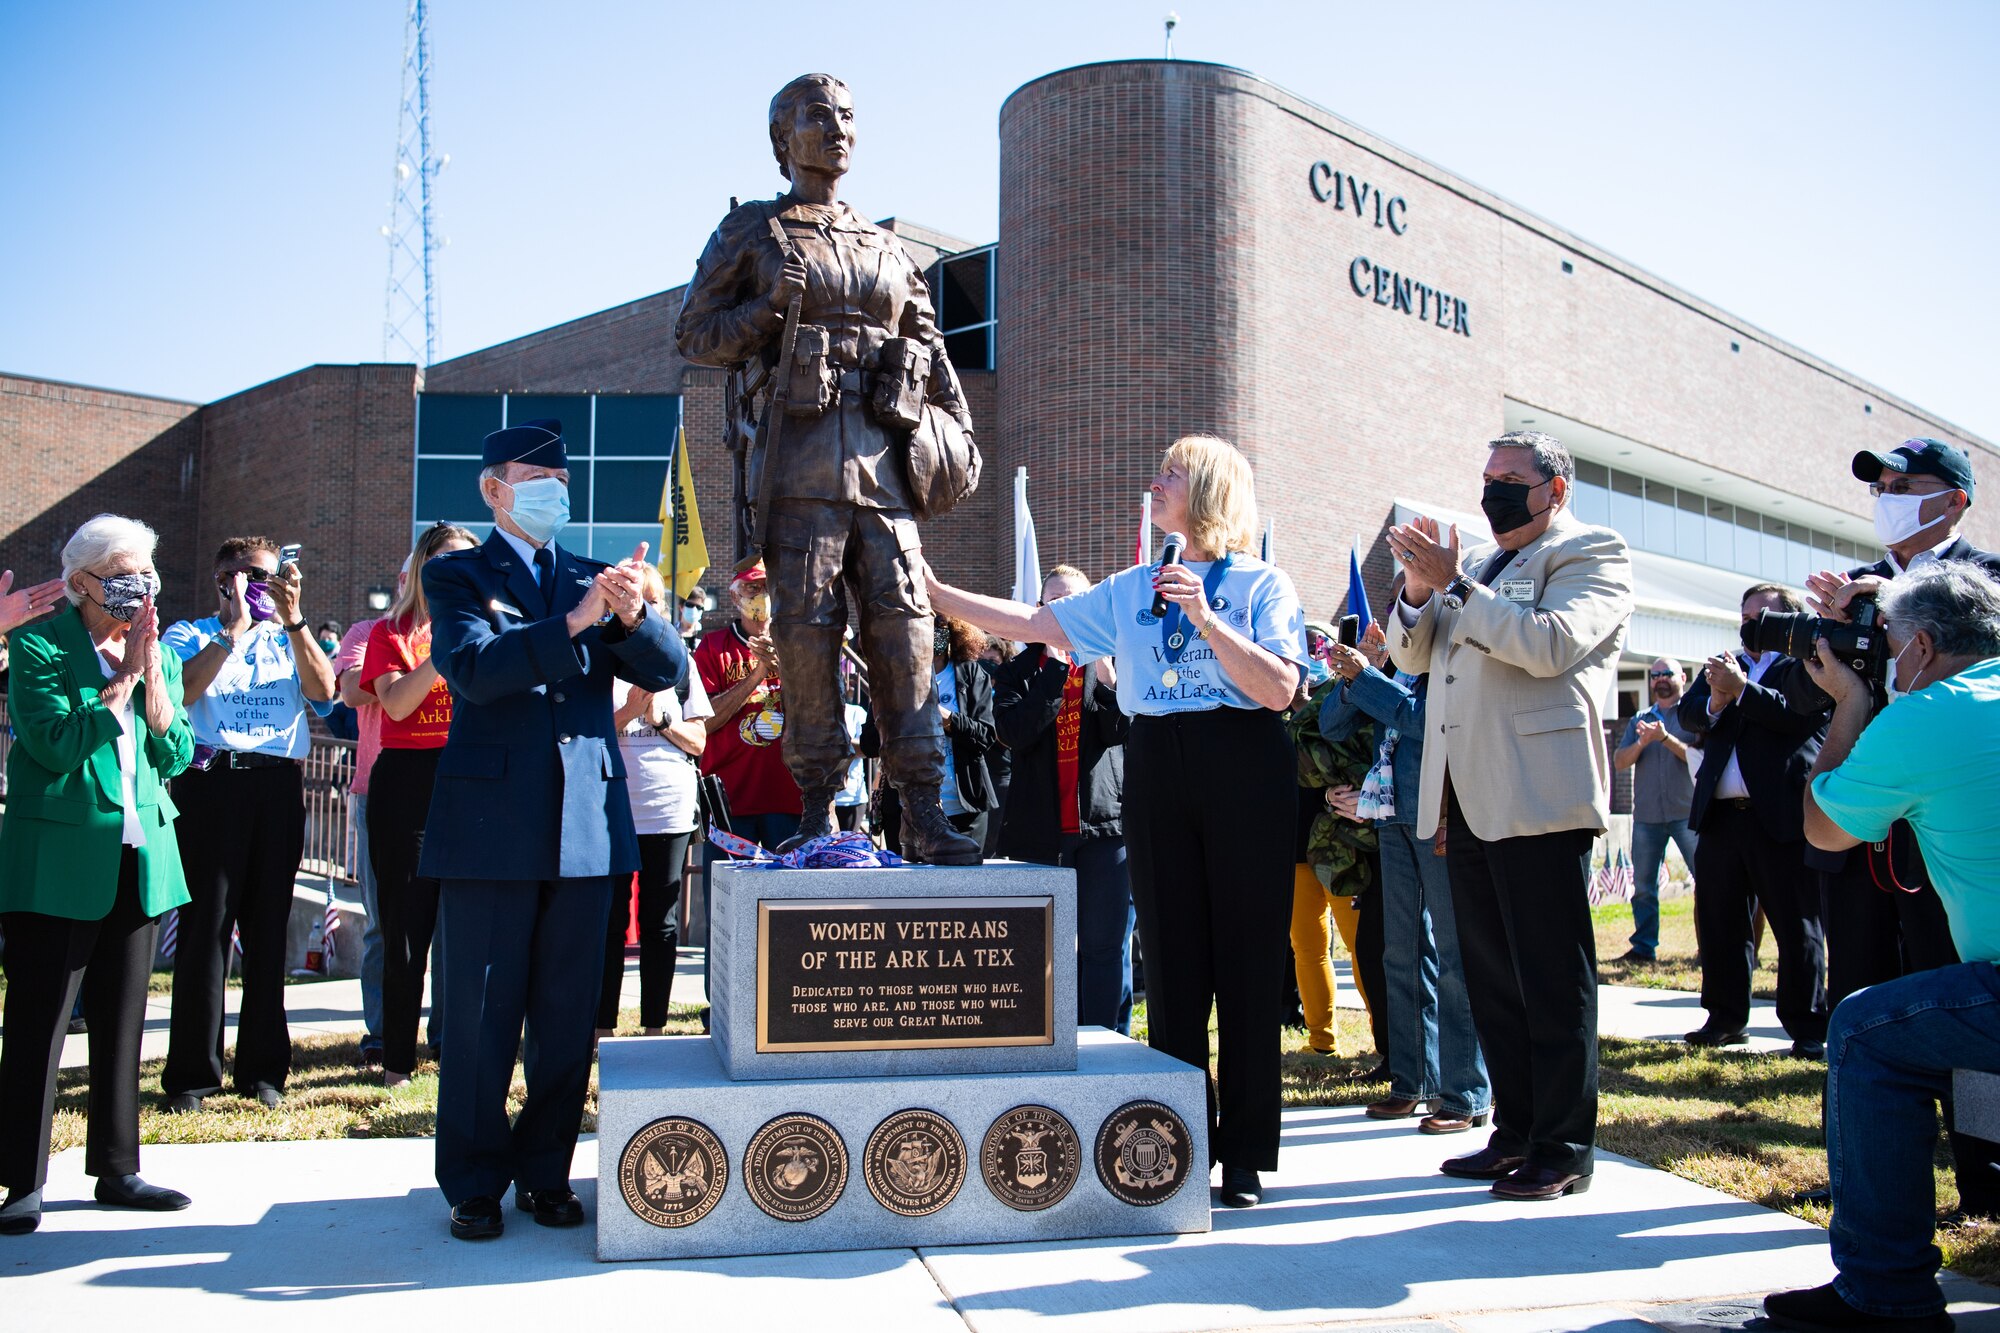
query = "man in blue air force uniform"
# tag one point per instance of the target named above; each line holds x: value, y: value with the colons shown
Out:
x: 530, y: 828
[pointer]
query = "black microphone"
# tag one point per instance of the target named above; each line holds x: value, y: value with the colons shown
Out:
x: 1170, y: 554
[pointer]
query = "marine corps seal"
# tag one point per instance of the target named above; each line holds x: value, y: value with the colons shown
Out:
x: 795, y: 1167
x: 1030, y: 1158
x: 673, y: 1172
x: 1142, y: 1153
x: 914, y: 1163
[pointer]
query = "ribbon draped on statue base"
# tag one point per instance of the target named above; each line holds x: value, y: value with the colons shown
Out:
x: 836, y: 851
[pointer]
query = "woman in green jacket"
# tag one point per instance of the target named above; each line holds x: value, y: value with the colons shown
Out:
x: 88, y: 859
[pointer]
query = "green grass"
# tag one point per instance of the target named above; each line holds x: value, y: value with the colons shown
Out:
x: 1677, y: 963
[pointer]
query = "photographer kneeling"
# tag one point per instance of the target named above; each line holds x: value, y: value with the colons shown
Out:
x: 1932, y: 757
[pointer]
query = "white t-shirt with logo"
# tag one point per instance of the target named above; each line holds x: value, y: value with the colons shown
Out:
x: 255, y: 703
x: 660, y: 776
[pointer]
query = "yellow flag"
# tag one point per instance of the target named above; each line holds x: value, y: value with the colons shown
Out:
x: 683, y: 550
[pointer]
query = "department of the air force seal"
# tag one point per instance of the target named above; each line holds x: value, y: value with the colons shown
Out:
x: 1030, y: 1158
x: 795, y: 1167
x: 1142, y: 1153
x: 914, y: 1163
x: 673, y: 1172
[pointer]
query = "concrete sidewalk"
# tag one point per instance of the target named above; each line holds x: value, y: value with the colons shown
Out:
x: 1358, y: 1230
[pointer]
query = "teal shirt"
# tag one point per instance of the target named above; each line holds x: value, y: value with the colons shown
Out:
x: 1933, y: 758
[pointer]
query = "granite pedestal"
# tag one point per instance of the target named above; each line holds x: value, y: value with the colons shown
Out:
x: 645, y: 1080
x: 927, y: 1018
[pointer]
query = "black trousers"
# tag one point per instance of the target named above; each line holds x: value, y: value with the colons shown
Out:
x: 1530, y: 956
x: 515, y: 952
x: 1368, y: 951
x: 241, y: 832
x: 1210, y: 803
x: 399, y: 804
x: 662, y: 865
x: 1738, y: 866
x: 49, y: 958
x: 1874, y: 936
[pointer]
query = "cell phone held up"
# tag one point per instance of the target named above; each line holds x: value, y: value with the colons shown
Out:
x: 289, y: 554
x: 1350, y: 631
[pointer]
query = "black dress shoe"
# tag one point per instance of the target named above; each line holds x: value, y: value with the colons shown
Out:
x: 132, y: 1192
x: 1714, y: 1034
x: 1823, y: 1308
x: 1541, y: 1183
x: 1489, y: 1163
x: 265, y: 1095
x: 551, y: 1208
x: 21, y: 1213
x: 1809, y: 1050
x: 183, y: 1103
x: 1240, y: 1187
x: 1635, y: 956
x: 1824, y: 1194
x: 477, y: 1218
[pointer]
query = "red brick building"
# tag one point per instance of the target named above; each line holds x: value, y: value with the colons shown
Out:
x: 1182, y: 247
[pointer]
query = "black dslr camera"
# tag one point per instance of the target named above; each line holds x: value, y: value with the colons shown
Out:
x: 1860, y: 642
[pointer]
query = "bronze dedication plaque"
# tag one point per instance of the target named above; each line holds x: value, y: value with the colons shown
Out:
x: 903, y: 973
x: 673, y: 1172
x: 795, y: 1167
x: 1142, y: 1153
x: 1030, y: 1158
x: 914, y: 1163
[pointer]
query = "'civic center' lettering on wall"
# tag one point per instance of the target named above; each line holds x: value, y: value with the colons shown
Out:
x: 1372, y: 281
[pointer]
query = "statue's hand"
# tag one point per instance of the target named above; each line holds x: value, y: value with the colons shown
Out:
x: 791, y: 283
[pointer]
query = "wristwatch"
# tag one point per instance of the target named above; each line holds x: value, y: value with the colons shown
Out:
x: 293, y: 629
x: 1457, y: 591
x: 226, y: 639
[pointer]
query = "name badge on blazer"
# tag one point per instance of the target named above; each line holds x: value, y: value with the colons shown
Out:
x: 498, y: 605
x: 1518, y: 590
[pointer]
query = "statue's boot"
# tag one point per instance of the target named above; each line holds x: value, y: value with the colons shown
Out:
x: 815, y: 821
x: 927, y: 832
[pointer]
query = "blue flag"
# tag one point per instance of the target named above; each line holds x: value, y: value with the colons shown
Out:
x: 1357, y: 591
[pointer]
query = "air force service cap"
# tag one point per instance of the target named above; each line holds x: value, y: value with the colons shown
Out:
x: 536, y: 443
x: 1922, y: 456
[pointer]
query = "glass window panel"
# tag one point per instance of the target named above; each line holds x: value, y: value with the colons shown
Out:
x: 1749, y: 543
x: 1628, y: 507
x: 636, y: 425
x: 1822, y: 551
x: 573, y: 410
x: 629, y: 493
x: 1690, y: 527
x: 1659, y: 518
x: 455, y: 423
x: 448, y: 489
x: 1593, y: 494
x: 970, y: 350
x: 1772, y: 563
x: 1798, y: 561
x: 1721, y: 534
x: 579, y: 490
x: 965, y: 291
x: 614, y: 542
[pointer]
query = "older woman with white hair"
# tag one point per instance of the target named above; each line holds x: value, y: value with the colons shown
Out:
x: 88, y: 860
x: 1211, y: 790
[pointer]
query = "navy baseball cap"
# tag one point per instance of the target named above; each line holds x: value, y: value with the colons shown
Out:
x: 536, y: 443
x: 1925, y: 456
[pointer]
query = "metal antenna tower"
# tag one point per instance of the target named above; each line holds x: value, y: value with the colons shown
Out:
x: 413, y: 241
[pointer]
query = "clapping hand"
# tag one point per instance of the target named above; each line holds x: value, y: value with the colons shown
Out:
x: 1725, y: 679
x: 18, y: 606
x: 1648, y: 732
x: 624, y: 587
x: 1429, y: 557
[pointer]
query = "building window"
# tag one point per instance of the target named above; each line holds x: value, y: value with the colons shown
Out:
x: 963, y: 286
x: 618, y: 445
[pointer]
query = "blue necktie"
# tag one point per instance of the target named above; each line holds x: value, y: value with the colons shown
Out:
x: 545, y: 576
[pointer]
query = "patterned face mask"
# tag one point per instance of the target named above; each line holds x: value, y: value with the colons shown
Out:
x: 941, y: 640
x: 124, y: 592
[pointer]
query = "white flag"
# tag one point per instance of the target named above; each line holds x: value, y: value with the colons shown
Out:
x: 1027, y: 560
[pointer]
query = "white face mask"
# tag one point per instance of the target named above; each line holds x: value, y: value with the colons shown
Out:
x: 1889, y: 684
x: 1897, y: 518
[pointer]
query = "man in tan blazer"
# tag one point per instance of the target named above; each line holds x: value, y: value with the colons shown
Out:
x: 1521, y: 641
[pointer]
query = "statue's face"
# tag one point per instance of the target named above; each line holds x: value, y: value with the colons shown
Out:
x: 821, y: 137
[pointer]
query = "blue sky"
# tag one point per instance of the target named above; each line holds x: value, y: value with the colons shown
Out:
x: 194, y: 191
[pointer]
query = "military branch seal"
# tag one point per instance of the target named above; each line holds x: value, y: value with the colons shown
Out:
x: 1030, y: 1158
x: 914, y: 1163
x: 673, y: 1172
x: 1142, y: 1153
x: 795, y: 1167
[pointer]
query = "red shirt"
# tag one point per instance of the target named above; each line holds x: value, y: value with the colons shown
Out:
x: 745, y: 751
x: 400, y: 650
x: 1069, y: 744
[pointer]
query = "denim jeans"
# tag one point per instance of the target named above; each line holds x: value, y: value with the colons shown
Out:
x: 1890, y: 1051
x: 1649, y: 852
x: 371, y: 932
x: 1104, y: 918
x: 1433, y: 1049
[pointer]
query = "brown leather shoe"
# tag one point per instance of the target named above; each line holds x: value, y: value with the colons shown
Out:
x: 1489, y: 1163
x: 1541, y: 1183
x: 1394, y: 1108
x: 1451, y: 1122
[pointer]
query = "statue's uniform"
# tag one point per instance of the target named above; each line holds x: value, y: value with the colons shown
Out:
x: 840, y: 502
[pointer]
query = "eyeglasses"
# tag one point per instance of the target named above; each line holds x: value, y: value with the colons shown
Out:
x: 1902, y: 486
x: 1663, y: 675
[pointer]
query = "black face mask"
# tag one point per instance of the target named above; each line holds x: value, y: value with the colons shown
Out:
x: 1506, y: 505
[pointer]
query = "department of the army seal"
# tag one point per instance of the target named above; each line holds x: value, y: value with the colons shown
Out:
x: 1142, y: 1153
x: 795, y: 1167
x: 914, y: 1163
x: 1030, y: 1158
x: 673, y: 1172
